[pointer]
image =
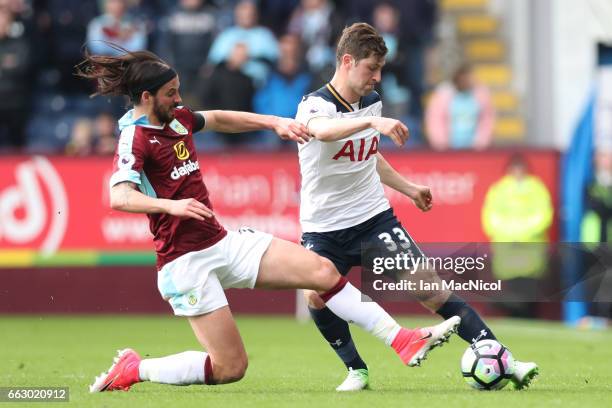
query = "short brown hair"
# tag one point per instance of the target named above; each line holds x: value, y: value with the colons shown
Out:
x: 360, y: 40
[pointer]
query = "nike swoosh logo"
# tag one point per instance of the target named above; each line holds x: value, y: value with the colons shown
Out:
x: 109, y: 383
x: 426, y: 337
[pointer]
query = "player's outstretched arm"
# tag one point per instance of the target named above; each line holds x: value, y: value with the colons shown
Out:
x: 420, y: 195
x: 332, y: 129
x: 329, y: 130
x: 125, y: 197
x: 237, y: 122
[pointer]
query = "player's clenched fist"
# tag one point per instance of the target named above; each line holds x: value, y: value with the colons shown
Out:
x: 189, y: 207
x: 393, y: 128
x: 422, y: 198
x: 290, y: 129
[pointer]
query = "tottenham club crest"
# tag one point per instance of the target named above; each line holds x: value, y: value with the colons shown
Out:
x: 178, y: 127
x: 181, y: 151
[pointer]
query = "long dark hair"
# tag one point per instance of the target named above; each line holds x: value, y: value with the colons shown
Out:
x: 130, y: 73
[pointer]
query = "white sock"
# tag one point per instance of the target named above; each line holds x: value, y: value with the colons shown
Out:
x: 178, y: 369
x: 347, y: 305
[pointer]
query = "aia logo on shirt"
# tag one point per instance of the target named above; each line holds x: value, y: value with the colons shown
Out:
x: 181, y: 151
x: 349, y: 150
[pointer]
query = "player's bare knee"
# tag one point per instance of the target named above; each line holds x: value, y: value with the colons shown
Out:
x: 326, y: 274
x: 229, y: 372
x: 237, y: 371
x: 313, y: 300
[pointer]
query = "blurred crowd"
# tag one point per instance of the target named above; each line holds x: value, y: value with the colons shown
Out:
x: 260, y: 56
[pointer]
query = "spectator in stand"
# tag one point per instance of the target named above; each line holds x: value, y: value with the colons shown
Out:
x: 287, y: 83
x: 81, y: 139
x: 460, y: 114
x: 97, y: 136
x: 229, y: 88
x: 115, y: 26
x: 186, y: 37
x: 15, y: 65
x: 319, y: 24
x: 386, y: 20
x: 150, y: 13
x: 105, y: 134
x: 259, y: 41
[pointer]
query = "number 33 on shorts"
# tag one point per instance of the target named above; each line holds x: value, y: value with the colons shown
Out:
x: 401, y: 238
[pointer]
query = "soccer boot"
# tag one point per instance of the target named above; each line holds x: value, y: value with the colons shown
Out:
x: 412, y: 346
x: 524, y: 373
x: 121, y: 375
x: 356, y: 380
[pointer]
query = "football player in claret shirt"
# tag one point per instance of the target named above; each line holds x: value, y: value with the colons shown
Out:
x: 343, y: 204
x: 157, y: 173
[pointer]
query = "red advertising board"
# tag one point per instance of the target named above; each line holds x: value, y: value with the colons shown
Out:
x: 50, y: 204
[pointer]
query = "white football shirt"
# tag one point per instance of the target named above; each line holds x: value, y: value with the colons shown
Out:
x: 340, y: 185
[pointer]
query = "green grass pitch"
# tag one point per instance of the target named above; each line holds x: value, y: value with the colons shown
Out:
x: 290, y: 365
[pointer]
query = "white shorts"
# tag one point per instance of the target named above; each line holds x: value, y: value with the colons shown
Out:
x: 193, y: 283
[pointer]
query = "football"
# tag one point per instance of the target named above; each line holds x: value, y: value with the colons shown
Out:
x: 487, y: 365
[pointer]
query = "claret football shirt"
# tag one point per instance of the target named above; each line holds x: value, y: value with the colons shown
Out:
x: 163, y: 162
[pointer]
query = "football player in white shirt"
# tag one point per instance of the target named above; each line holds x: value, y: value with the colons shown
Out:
x: 342, y: 199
